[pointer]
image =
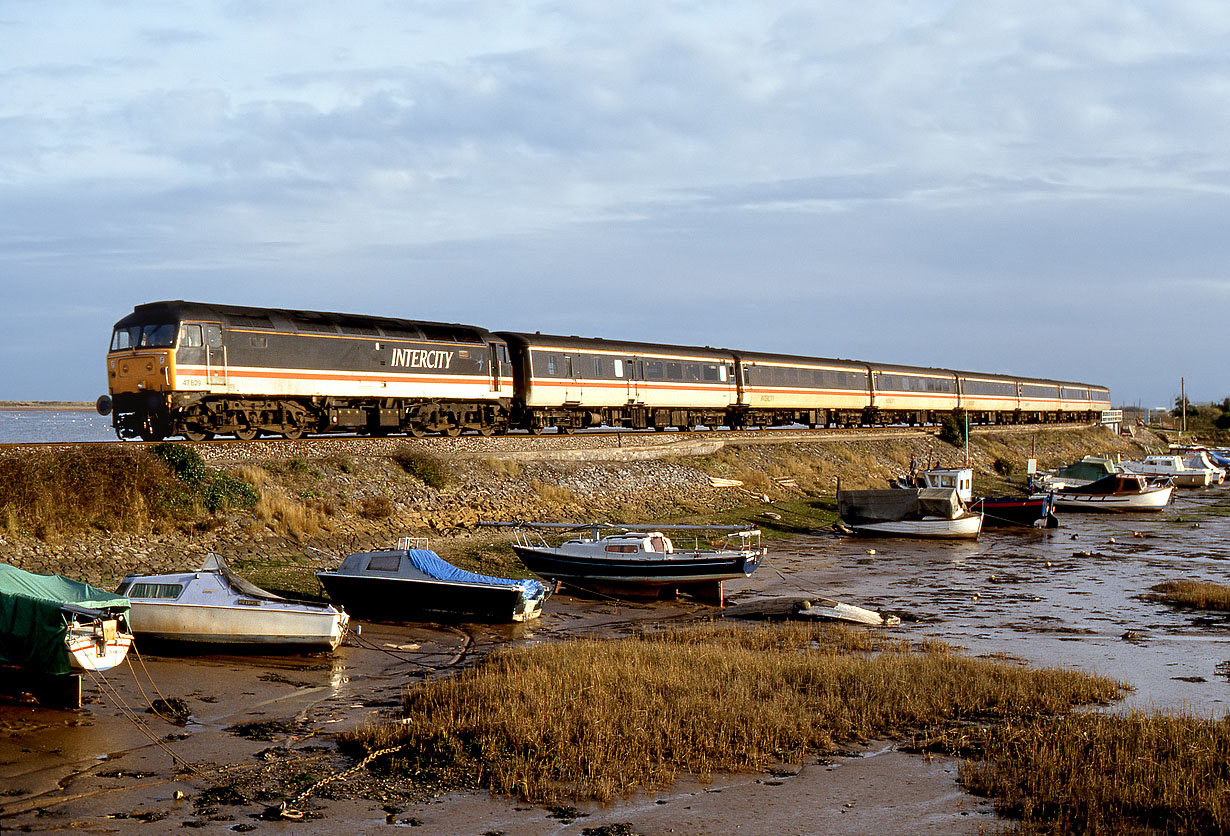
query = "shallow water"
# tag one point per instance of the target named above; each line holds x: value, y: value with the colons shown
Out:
x: 1067, y: 597
x: 18, y: 426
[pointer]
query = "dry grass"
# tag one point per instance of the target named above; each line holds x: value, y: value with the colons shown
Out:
x: 553, y: 494
x: 1095, y: 773
x: 510, y: 468
x: 109, y: 488
x: 290, y: 516
x: 254, y: 475
x: 1196, y: 594
x: 600, y: 718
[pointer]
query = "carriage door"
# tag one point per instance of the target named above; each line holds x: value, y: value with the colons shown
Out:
x: 215, y: 356
x: 630, y: 373
x: 572, y: 370
x: 499, y: 355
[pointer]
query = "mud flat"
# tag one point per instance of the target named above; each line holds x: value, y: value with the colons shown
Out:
x: 259, y: 734
x: 260, y: 728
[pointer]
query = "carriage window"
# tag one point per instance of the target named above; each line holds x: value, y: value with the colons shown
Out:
x: 674, y: 371
x: 597, y: 367
x: 653, y: 369
x: 711, y: 372
x: 190, y: 336
x: 552, y: 366
x: 619, y: 368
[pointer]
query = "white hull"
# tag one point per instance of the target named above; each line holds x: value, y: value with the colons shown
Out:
x: 266, y: 622
x: 961, y: 528
x: 96, y: 646
x: 1151, y: 500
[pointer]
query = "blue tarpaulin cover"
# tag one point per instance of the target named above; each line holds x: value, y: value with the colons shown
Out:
x: 32, y: 624
x: 432, y: 565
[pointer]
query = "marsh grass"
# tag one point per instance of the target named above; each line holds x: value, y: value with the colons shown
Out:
x: 1199, y: 595
x: 593, y: 718
x: 1101, y: 773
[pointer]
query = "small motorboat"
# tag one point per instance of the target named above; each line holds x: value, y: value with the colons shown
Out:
x: 415, y: 584
x: 931, y: 513
x: 1116, y: 492
x: 639, y: 561
x: 51, y: 624
x: 213, y: 605
x: 1036, y: 510
x: 1171, y: 467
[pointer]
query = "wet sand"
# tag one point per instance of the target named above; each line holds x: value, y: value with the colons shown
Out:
x: 1040, y: 596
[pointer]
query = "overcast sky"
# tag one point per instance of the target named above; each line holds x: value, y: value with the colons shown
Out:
x: 1037, y: 188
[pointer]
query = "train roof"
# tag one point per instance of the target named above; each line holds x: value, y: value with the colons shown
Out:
x: 787, y: 359
x: 305, y: 321
x: 575, y: 343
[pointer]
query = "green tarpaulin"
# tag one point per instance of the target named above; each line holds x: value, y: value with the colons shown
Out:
x: 32, y: 623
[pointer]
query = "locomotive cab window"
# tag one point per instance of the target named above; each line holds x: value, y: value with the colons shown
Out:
x: 190, y: 336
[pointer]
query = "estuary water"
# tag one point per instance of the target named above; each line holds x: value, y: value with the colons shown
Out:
x: 1076, y: 596
x: 19, y: 426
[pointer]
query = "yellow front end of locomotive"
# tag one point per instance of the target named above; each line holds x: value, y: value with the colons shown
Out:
x: 141, y: 371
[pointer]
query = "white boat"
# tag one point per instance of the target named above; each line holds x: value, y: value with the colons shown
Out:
x: 931, y: 513
x: 52, y: 624
x: 96, y: 640
x: 1169, y: 466
x: 213, y: 605
x: 1199, y: 460
x: 827, y: 609
x: 1117, y: 492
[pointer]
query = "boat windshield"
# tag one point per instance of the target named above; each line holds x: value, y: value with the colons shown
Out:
x: 144, y: 336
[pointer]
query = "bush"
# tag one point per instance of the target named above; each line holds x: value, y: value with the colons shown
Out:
x: 425, y: 467
x: 953, y: 429
x: 1004, y: 467
x: 185, y: 461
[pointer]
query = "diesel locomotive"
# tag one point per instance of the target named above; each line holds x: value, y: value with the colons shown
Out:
x: 198, y: 370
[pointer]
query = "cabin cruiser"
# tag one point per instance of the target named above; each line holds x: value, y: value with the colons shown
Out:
x: 1172, y: 467
x: 1116, y: 492
x: 413, y: 583
x: 213, y: 605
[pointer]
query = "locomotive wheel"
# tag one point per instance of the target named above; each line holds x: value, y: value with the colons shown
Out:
x: 416, y: 430
x: 452, y: 430
x: 566, y: 430
x: 247, y: 433
x: 292, y: 431
x: 485, y: 430
x: 534, y: 430
x: 196, y: 433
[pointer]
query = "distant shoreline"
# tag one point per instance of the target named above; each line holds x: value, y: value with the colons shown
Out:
x: 44, y: 406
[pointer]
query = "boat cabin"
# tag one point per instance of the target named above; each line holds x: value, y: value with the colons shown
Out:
x: 959, y: 479
x: 652, y: 542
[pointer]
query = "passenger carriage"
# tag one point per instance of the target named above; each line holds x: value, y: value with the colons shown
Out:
x: 778, y: 389
x: 577, y: 382
x: 911, y: 395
